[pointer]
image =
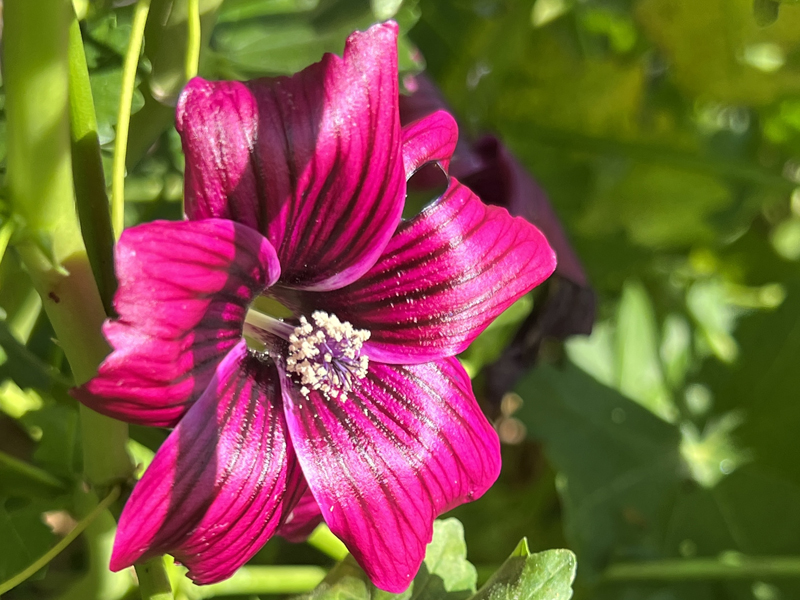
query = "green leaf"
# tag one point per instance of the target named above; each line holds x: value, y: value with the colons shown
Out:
x: 20, y: 479
x: 106, y: 85
x: 639, y: 372
x: 524, y: 576
x: 619, y: 465
x: 25, y: 368
x: 287, y: 43
x: 679, y: 209
x: 446, y: 571
x: 635, y: 488
x: 763, y: 383
x: 166, y: 37
x: 445, y: 574
x: 24, y: 534
x: 59, y: 449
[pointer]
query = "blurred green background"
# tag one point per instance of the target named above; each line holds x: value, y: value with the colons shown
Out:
x: 667, y: 136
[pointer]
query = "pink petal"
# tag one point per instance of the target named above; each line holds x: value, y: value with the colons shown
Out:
x: 444, y: 276
x: 407, y: 444
x: 302, y: 520
x: 222, y: 481
x: 184, y: 290
x: 312, y: 161
x: 431, y: 139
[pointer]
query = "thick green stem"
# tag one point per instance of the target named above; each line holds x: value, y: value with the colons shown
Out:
x: 124, y: 115
x: 153, y: 580
x: 39, y: 183
x: 257, y: 580
x: 729, y: 566
x: 323, y: 540
x: 87, y: 171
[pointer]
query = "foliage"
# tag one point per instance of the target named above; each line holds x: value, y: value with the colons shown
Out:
x: 667, y: 136
x: 447, y: 574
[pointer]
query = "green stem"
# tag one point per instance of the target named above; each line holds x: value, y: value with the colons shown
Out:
x: 22, y: 477
x: 39, y: 183
x: 91, y: 198
x: 193, y: 39
x: 97, y: 581
x: 124, y: 115
x: 153, y: 580
x: 323, y: 540
x: 257, y: 580
x: 61, y: 545
x: 733, y: 566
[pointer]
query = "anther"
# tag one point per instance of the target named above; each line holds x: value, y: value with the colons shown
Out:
x: 326, y: 356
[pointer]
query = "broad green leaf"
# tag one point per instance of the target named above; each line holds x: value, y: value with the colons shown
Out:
x: 657, y: 206
x: 446, y: 571
x: 625, y: 354
x: 633, y: 489
x: 445, y: 574
x: 24, y: 535
x: 594, y: 354
x: 25, y: 368
x: 638, y: 365
x: 619, y: 465
x: 166, y: 37
x: 285, y: 44
x: 19, y: 479
x: 59, y: 449
x: 106, y: 86
x: 524, y: 576
x: 763, y: 383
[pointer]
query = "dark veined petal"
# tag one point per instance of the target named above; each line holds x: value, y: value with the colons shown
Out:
x: 302, y: 520
x: 221, y: 483
x: 312, y: 161
x: 184, y: 289
x: 432, y: 138
x: 445, y: 275
x: 407, y: 444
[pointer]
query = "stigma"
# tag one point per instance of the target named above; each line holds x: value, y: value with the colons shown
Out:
x: 326, y: 355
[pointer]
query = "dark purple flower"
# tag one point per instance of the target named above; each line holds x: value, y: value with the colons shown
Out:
x: 353, y: 409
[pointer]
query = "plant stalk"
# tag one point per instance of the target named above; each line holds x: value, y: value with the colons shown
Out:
x: 40, y: 188
x: 727, y: 566
x: 124, y: 115
x: 61, y: 545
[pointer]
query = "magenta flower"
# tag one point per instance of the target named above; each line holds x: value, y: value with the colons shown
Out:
x: 354, y: 410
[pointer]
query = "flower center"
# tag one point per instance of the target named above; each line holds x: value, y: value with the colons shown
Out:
x: 326, y: 355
